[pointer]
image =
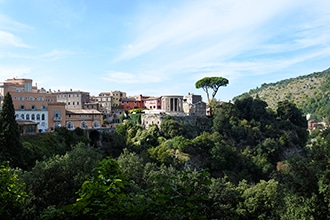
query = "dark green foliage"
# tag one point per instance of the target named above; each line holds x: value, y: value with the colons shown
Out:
x: 42, y: 146
x: 171, y: 128
x: 12, y: 194
x: 101, y: 197
x: 10, y: 142
x: 55, y: 181
x: 213, y: 83
x: 260, y: 201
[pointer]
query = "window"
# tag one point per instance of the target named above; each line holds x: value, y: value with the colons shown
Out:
x: 96, y: 124
x: 69, y: 125
x: 38, y: 117
x: 77, y: 103
x: 57, y: 125
x: 33, y: 117
x: 31, y: 98
x: 22, y: 116
x: 21, y: 98
x: 83, y: 124
x: 27, y: 117
x: 33, y: 107
x: 43, y: 117
x: 43, y: 107
x: 22, y: 107
x: 68, y: 103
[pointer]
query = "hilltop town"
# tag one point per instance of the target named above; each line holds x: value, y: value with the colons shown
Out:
x: 40, y: 110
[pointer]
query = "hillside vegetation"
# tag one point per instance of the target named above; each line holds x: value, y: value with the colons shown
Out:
x: 310, y: 93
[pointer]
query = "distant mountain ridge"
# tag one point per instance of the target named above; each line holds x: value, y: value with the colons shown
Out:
x: 311, y: 93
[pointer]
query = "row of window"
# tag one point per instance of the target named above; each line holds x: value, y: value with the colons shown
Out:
x: 69, y: 95
x: 33, y: 107
x: 31, y: 98
x: 37, y: 117
x: 83, y: 124
x: 73, y: 103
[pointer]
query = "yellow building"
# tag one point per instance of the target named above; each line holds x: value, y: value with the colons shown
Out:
x: 117, y: 96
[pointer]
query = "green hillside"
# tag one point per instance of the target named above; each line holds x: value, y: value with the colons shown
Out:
x: 311, y: 93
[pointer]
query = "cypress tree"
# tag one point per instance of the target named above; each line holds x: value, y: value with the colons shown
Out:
x: 10, y: 142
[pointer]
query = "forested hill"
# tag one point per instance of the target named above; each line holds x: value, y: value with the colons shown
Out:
x: 311, y: 93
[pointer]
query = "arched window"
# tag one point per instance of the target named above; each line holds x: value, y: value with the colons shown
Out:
x: 22, y: 116
x: 38, y: 117
x: 22, y: 107
x: 33, y: 107
x: 27, y: 117
x: 33, y: 117
x: 57, y: 125
x: 43, y: 117
x: 69, y: 125
x: 83, y: 124
x: 96, y: 124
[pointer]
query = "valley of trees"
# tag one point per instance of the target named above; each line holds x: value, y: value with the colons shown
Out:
x: 251, y: 162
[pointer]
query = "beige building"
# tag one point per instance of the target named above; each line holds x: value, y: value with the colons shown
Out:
x: 73, y: 99
x: 31, y: 103
x: 105, y: 101
x: 193, y: 105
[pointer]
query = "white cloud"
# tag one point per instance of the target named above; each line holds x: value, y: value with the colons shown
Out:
x: 10, y: 25
x: 200, y: 24
x: 56, y: 54
x: 7, y: 40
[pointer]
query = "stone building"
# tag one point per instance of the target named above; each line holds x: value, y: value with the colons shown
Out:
x: 73, y: 99
x: 172, y: 103
x: 193, y: 105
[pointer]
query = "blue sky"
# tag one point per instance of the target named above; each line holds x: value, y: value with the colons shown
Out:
x: 159, y: 47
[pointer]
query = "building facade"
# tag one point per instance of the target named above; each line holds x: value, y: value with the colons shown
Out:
x: 153, y: 103
x: 130, y: 103
x: 193, y: 105
x: 117, y: 96
x: 172, y: 103
x: 73, y: 99
x: 105, y: 101
x: 83, y: 118
x: 31, y: 103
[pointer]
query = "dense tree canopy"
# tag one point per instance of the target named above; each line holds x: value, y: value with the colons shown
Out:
x: 250, y: 163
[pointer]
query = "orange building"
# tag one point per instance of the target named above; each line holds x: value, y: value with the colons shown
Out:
x: 31, y: 103
x: 83, y: 118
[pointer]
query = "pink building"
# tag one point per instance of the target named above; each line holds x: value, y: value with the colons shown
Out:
x: 153, y: 103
